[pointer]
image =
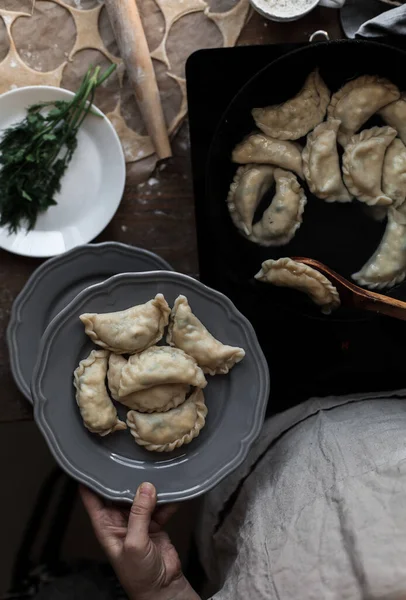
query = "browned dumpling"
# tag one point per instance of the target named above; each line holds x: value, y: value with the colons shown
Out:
x: 163, y: 432
x: 97, y: 410
x: 357, y: 101
x: 286, y: 272
x: 363, y: 163
x: 297, y: 116
x: 284, y: 215
x: 394, y: 114
x: 265, y: 150
x: 394, y: 172
x: 159, y: 398
x: 247, y: 189
x: 387, y: 266
x: 129, y: 331
x: 321, y: 165
x: 189, y: 334
x: 159, y: 365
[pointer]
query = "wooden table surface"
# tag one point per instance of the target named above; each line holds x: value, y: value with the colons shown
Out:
x: 158, y: 217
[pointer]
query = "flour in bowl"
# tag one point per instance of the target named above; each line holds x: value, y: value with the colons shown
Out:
x: 288, y: 8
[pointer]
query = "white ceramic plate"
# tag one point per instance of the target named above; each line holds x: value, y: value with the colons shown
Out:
x: 92, y: 186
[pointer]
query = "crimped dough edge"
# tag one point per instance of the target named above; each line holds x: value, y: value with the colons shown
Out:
x: 161, y: 303
x: 365, y: 135
x: 323, y: 93
x: 289, y: 264
x: 78, y: 372
x: 330, y: 125
x: 185, y: 439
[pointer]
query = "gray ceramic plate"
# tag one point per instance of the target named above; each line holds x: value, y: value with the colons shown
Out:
x: 53, y: 285
x: 114, y: 465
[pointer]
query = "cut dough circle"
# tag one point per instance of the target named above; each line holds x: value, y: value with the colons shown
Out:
x: 286, y: 272
x: 164, y: 432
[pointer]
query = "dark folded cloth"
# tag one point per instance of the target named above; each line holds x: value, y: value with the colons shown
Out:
x: 387, y: 24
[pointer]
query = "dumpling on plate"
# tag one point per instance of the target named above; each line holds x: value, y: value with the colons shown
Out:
x: 97, y: 410
x: 189, y: 334
x: 163, y: 432
x: 394, y: 172
x: 297, y: 116
x: 156, y: 399
x: 357, y: 101
x: 363, y: 163
x: 387, y: 266
x: 394, y: 114
x: 129, y: 331
x: 286, y: 272
x: 262, y: 149
x: 159, y: 365
x: 247, y: 189
x: 284, y: 215
x: 321, y: 165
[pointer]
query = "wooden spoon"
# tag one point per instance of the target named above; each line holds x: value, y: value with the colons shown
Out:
x: 352, y: 295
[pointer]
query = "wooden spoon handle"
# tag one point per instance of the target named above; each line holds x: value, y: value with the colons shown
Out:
x: 129, y: 32
x: 353, y: 295
x: 381, y: 304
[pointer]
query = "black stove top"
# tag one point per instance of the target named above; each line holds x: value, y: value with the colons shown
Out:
x: 308, y: 355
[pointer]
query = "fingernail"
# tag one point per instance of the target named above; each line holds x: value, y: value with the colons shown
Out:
x: 147, y: 489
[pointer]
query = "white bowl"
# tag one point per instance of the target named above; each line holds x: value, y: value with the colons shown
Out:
x: 264, y: 9
x: 92, y: 186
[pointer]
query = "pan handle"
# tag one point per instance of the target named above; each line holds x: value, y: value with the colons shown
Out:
x: 319, y: 36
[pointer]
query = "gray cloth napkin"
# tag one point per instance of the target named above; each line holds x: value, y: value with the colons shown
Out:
x: 389, y: 23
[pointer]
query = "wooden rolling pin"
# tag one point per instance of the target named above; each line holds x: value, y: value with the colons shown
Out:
x: 130, y: 36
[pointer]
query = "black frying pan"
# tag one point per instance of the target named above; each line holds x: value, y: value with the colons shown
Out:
x: 342, y: 236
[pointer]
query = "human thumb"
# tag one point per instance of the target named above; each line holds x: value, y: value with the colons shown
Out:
x: 140, y: 516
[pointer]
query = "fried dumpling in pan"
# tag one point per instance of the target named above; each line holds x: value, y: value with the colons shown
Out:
x: 387, y: 266
x: 188, y: 333
x: 97, y: 410
x: 262, y: 149
x: 286, y: 272
x: 284, y: 215
x: 363, y: 163
x: 159, y: 365
x: 249, y: 185
x: 394, y: 115
x: 163, y: 432
x: 297, y: 116
x: 159, y: 398
x: 357, y: 101
x: 321, y: 164
x: 394, y: 172
x: 128, y: 331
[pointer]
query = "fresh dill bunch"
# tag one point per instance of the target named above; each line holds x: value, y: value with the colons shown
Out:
x: 35, y: 153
